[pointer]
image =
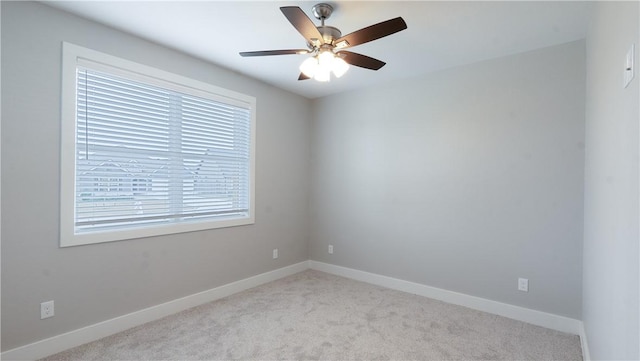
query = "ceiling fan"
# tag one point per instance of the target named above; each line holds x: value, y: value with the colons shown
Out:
x: 326, y: 43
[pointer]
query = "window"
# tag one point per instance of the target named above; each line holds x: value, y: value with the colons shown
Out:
x: 146, y: 152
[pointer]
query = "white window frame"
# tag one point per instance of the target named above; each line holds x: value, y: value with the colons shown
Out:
x: 72, y: 56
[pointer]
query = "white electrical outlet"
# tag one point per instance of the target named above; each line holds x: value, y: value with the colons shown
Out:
x: 523, y: 284
x: 330, y: 249
x: 275, y: 253
x: 46, y: 310
x: 629, y: 61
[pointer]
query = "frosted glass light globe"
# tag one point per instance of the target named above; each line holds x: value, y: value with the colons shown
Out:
x: 325, y: 59
x: 339, y: 67
x: 309, y: 67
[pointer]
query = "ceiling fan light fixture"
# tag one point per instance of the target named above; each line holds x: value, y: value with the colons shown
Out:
x: 321, y: 66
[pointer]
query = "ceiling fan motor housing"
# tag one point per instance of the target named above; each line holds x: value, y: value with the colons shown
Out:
x: 329, y: 33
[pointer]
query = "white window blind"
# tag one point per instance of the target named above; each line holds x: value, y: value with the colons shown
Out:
x: 149, y: 155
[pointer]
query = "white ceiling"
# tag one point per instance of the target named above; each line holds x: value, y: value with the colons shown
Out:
x: 440, y: 34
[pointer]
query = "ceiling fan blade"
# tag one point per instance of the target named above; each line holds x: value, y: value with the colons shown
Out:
x: 274, y: 52
x: 303, y: 77
x: 362, y: 61
x: 303, y: 24
x: 372, y: 32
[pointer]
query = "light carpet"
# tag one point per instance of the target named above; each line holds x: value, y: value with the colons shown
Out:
x: 317, y: 316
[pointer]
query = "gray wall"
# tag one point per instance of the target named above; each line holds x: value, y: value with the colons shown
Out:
x: 465, y: 179
x: 98, y: 282
x: 611, y: 266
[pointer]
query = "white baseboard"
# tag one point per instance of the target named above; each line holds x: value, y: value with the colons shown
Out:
x: 539, y: 318
x: 586, y: 356
x: 106, y: 328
